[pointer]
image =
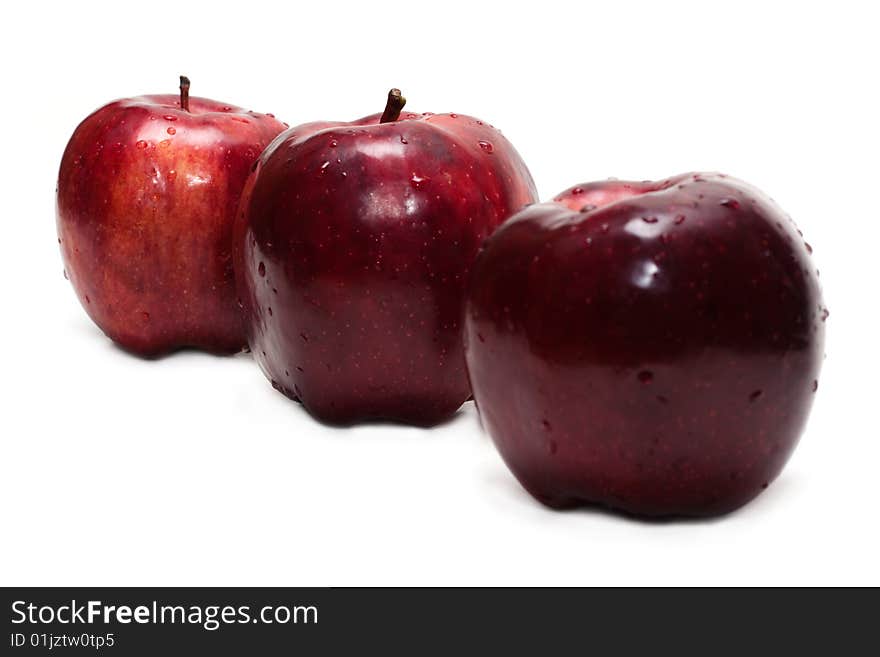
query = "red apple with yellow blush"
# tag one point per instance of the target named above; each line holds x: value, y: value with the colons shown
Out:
x: 147, y: 194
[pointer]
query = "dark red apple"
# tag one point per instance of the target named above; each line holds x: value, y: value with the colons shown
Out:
x: 147, y: 195
x: 353, y: 253
x: 652, y: 347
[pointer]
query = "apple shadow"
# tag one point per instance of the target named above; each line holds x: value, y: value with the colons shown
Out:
x: 93, y: 332
x: 763, y: 503
x: 458, y: 416
x: 179, y: 351
x: 246, y: 355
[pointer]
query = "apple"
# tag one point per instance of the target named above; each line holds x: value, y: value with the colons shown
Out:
x: 653, y: 347
x: 353, y: 252
x: 147, y: 195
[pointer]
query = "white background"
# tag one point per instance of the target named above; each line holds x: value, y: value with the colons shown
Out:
x: 192, y: 470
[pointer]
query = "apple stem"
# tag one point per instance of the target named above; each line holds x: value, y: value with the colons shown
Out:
x: 184, y: 93
x: 393, y: 107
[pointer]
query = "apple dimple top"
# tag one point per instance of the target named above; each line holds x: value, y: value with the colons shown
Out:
x: 197, y: 106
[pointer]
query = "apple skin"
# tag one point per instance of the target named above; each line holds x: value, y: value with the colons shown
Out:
x: 146, y: 201
x: 658, y: 354
x: 353, y: 253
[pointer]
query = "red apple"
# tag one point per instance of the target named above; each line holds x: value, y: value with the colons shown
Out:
x: 147, y: 195
x: 652, y: 347
x: 353, y: 252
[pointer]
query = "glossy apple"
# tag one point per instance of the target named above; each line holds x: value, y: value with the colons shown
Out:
x: 147, y: 195
x: 353, y: 253
x: 651, y: 347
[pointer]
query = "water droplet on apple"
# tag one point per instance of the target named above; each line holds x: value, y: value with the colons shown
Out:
x: 815, y: 385
x: 487, y: 146
x: 64, y: 271
x: 227, y: 108
x: 87, y: 299
x: 650, y: 220
x: 730, y: 203
x: 454, y: 116
x: 416, y: 181
x: 141, y: 144
x: 325, y: 166
x: 589, y: 207
x: 679, y: 220
x: 809, y: 248
x: 333, y: 143
x: 169, y: 117
x: 304, y: 337
x: 261, y: 270
x: 754, y: 396
x: 605, y: 228
x: 171, y: 131
x: 270, y: 115
x: 577, y: 190
x: 269, y: 308
x: 645, y: 376
x: 403, y: 140
x: 825, y: 314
